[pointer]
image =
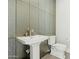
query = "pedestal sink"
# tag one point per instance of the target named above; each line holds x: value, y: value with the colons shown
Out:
x: 34, y: 42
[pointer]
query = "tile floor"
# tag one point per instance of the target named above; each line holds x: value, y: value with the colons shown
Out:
x: 48, y: 56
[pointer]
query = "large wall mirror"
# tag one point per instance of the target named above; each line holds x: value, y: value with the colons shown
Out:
x: 38, y: 15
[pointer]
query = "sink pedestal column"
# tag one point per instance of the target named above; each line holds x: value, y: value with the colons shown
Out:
x: 35, y: 51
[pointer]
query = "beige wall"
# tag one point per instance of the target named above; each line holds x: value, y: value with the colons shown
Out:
x: 11, y: 18
x: 63, y: 22
x: 42, y: 16
x: 11, y: 29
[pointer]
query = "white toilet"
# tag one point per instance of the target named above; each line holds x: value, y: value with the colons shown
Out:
x: 57, y: 49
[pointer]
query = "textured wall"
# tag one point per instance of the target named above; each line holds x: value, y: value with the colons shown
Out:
x: 63, y: 22
x: 42, y: 16
x: 11, y: 29
x: 11, y: 18
x: 11, y: 48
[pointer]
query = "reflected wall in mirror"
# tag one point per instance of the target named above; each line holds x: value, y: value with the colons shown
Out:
x: 39, y: 15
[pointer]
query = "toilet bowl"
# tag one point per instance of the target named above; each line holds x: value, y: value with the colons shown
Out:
x: 57, y: 49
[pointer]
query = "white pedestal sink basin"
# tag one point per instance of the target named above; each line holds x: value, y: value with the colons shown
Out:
x: 34, y: 42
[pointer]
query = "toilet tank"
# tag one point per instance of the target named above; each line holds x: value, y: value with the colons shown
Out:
x: 51, y: 40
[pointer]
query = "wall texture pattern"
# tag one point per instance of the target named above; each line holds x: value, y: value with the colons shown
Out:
x: 11, y: 29
x: 63, y: 22
x: 41, y: 13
